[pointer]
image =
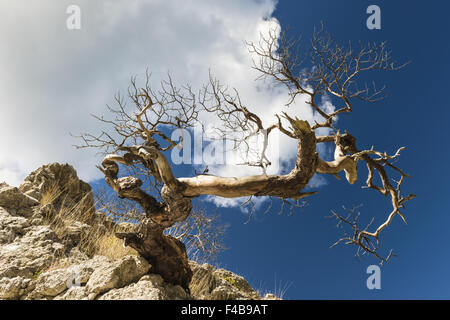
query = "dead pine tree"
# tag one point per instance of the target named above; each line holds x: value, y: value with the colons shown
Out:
x: 139, y: 142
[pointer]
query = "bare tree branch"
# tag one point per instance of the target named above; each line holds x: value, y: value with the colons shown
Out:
x: 139, y: 140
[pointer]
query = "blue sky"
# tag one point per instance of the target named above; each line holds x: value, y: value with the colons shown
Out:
x: 69, y: 74
x: 282, y: 252
x: 294, y: 249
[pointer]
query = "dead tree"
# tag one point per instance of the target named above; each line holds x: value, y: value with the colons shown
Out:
x: 202, y: 232
x: 139, y: 141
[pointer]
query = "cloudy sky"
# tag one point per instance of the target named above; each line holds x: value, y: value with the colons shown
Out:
x: 55, y: 77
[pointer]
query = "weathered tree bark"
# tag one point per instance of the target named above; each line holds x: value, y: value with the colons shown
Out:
x: 166, y: 254
x: 335, y: 72
x: 341, y: 161
x: 282, y: 186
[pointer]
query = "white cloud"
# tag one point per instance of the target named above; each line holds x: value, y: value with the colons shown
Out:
x: 53, y: 78
x: 245, y: 204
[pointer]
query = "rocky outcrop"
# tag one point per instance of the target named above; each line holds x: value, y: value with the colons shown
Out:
x: 40, y: 259
x: 92, y: 278
x: 29, y: 254
x: 16, y: 201
x: 59, y: 185
x: 149, y: 287
x: 58, y: 177
x: 11, y: 226
x: 33, y: 249
x: 209, y: 283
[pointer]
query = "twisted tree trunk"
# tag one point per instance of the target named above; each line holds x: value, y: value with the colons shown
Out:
x: 166, y: 254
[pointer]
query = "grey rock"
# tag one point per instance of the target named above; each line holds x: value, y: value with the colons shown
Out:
x: 117, y: 274
x: 218, y: 284
x: 75, y: 232
x: 84, y: 270
x: 270, y: 296
x: 13, y: 288
x: 74, y: 293
x: 38, y: 263
x: 12, y: 197
x: 30, y: 254
x: 149, y: 287
x: 62, y: 181
x: 11, y: 226
x: 50, y: 284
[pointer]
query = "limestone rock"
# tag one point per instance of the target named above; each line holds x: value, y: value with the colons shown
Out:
x: 59, y: 184
x: 39, y: 257
x: 55, y: 282
x: 75, y: 256
x: 142, y: 290
x: 202, y: 282
x: 75, y: 232
x: 11, y: 226
x: 74, y: 293
x: 12, y: 198
x: 149, y: 287
x: 83, y: 271
x: 30, y: 254
x: 219, y: 284
x: 117, y: 274
x: 230, y: 286
x: 13, y: 288
x: 75, y: 277
x: 270, y: 296
x: 50, y: 284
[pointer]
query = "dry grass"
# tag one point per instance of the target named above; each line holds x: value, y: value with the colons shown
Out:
x: 110, y: 246
x: 67, y: 214
x: 97, y: 239
x: 279, y: 291
x: 51, y: 195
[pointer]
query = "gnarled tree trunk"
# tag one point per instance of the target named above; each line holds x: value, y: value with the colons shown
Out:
x: 166, y: 254
x: 334, y: 74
